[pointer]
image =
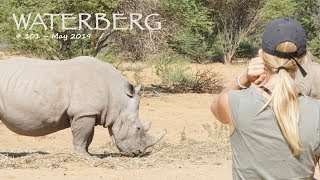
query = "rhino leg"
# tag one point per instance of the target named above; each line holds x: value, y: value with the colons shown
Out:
x: 89, y: 140
x: 111, y: 135
x: 82, y: 131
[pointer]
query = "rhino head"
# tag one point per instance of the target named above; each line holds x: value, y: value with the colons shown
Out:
x: 128, y: 133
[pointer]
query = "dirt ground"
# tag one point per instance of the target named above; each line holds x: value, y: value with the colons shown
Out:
x: 195, y: 147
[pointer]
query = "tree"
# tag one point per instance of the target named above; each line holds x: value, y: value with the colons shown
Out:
x: 273, y: 9
x: 235, y: 19
x: 308, y: 13
x: 137, y: 44
x: 55, y: 48
x: 191, y: 31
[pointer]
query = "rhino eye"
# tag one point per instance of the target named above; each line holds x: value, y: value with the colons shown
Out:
x: 138, y: 128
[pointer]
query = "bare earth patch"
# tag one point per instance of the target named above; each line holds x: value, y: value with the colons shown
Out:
x: 163, y: 155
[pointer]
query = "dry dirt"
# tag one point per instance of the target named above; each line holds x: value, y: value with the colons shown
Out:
x: 195, y: 147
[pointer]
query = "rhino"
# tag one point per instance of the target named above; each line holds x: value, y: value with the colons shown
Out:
x: 40, y: 97
x: 310, y: 84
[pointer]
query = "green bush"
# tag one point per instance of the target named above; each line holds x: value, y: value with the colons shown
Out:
x: 174, y: 71
x: 111, y: 55
x: 314, y: 47
x: 177, y: 77
x: 47, y: 47
x: 191, y: 28
x: 247, y: 49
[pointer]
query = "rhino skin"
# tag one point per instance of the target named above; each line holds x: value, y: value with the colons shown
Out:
x: 309, y: 85
x: 40, y: 97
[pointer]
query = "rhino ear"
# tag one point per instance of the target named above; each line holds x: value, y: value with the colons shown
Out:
x: 137, y: 89
x: 128, y: 89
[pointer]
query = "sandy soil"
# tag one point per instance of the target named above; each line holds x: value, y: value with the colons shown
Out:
x: 185, y: 116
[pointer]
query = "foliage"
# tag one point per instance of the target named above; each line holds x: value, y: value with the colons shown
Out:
x: 174, y: 71
x: 192, y: 29
x: 247, y: 49
x: 273, y: 9
x: 47, y: 47
x: 235, y: 19
x: 314, y: 47
x: 199, y: 30
x: 111, y: 54
x: 177, y: 77
x: 308, y: 13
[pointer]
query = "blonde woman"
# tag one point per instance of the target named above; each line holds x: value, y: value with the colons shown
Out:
x: 275, y: 128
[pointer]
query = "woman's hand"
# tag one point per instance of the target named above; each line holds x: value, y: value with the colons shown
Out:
x: 255, y: 72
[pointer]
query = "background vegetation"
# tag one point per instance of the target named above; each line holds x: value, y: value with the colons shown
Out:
x: 196, y: 30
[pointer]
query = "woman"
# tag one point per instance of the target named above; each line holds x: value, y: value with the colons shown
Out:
x: 275, y: 128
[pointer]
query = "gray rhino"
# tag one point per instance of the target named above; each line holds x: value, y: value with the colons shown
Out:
x: 309, y: 85
x: 39, y: 97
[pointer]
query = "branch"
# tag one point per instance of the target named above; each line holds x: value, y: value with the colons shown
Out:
x: 102, y: 41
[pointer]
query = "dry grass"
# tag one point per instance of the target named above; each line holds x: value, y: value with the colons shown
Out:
x: 164, y: 154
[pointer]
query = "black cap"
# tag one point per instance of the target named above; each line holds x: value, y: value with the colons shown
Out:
x: 282, y: 30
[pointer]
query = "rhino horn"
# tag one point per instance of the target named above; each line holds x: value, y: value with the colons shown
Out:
x: 152, y: 140
x: 147, y: 126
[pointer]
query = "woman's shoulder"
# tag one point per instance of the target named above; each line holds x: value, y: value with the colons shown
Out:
x: 243, y: 92
x: 253, y: 93
x: 238, y: 97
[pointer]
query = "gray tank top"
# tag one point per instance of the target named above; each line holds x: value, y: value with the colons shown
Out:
x: 259, y: 151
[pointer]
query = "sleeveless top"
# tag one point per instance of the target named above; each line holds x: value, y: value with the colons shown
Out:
x: 259, y: 150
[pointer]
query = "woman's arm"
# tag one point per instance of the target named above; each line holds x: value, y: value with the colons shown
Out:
x: 255, y: 72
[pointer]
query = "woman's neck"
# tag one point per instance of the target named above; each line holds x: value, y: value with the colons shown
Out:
x: 271, y: 81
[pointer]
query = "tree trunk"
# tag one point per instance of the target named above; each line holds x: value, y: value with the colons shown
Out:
x: 227, y: 58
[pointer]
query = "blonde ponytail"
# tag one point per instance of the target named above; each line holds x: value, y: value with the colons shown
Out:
x: 285, y: 104
x: 284, y: 99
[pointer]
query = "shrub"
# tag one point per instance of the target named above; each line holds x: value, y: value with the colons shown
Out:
x: 111, y: 55
x: 177, y: 77
x: 191, y: 29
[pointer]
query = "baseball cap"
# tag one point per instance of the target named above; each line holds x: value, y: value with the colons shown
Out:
x: 281, y: 30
